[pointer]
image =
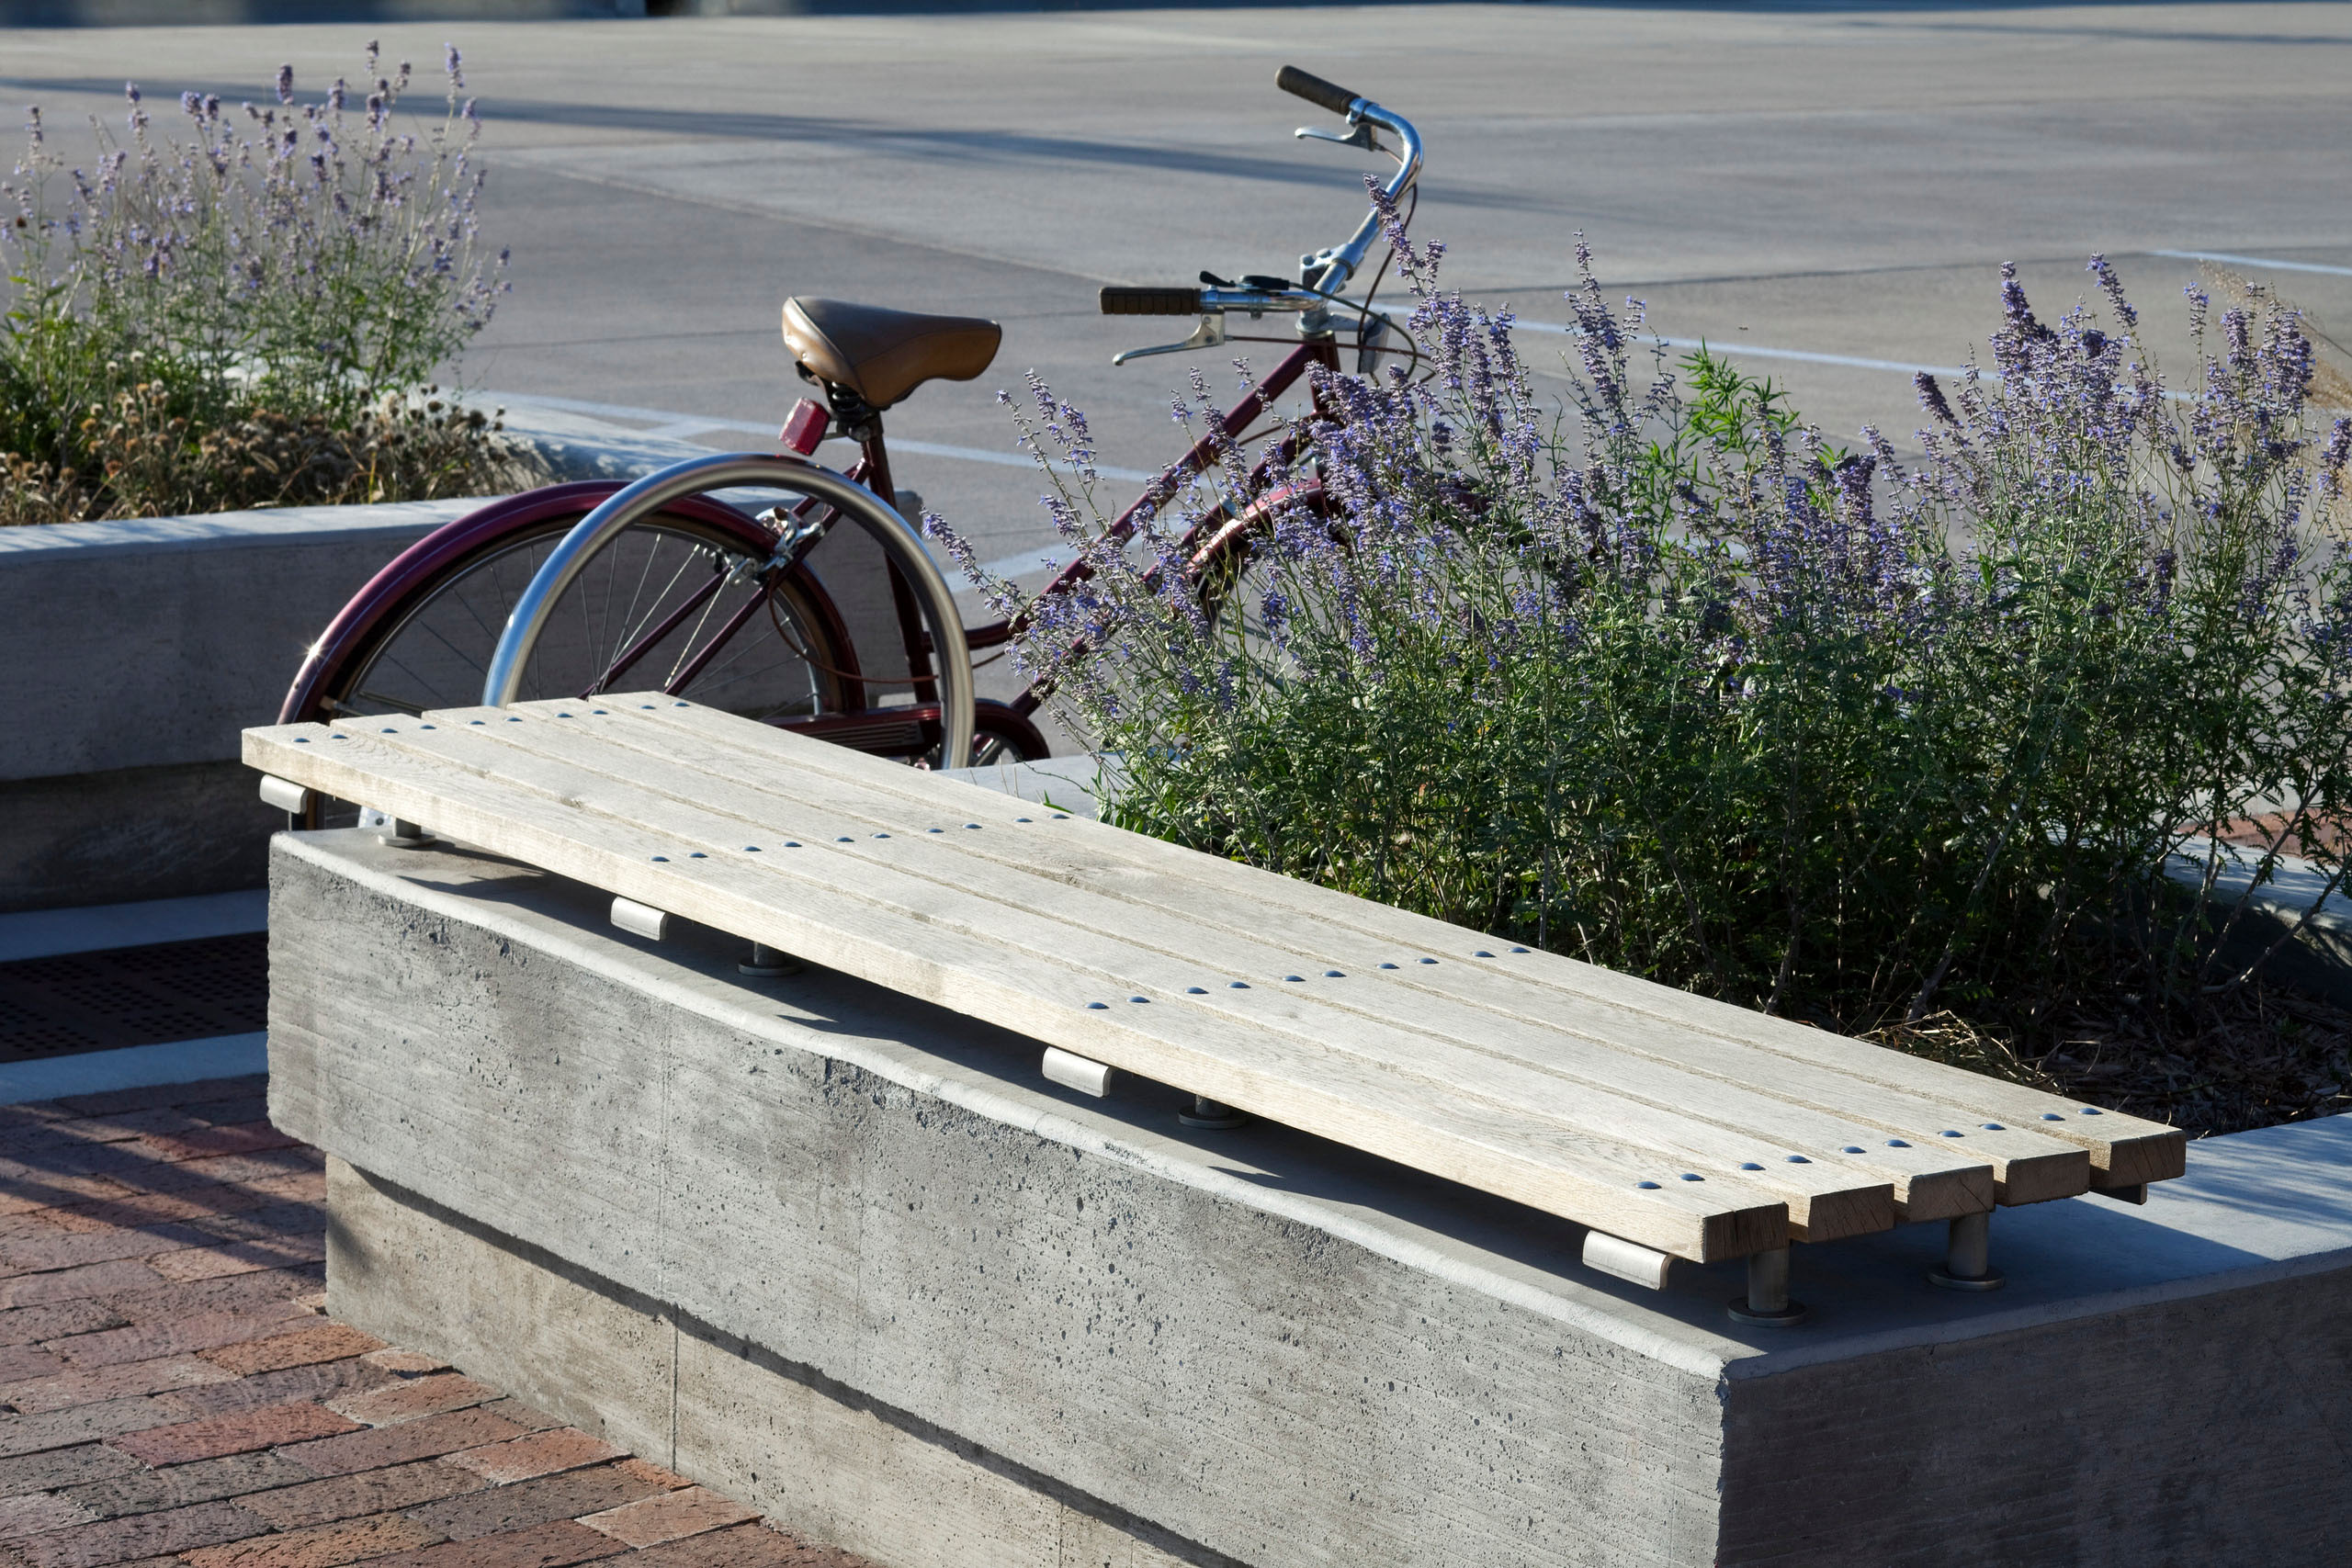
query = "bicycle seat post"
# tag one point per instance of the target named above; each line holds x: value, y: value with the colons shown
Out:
x: 861, y: 421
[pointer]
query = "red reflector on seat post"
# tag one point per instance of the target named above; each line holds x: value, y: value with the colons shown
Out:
x: 805, y: 427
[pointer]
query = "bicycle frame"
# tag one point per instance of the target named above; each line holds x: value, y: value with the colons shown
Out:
x: 873, y: 470
x: 774, y: 547
x: 1322, y: 274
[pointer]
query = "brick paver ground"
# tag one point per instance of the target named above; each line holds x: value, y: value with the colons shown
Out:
x: 172, y: 1392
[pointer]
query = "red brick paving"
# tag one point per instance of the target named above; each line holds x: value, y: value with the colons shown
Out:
x: 668, y: 1515
x: 173, y: 1397
x: 541, y: 1453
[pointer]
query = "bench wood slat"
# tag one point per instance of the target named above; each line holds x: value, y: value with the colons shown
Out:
x: 1931, y: 1179
x: 1565, y: 1079
x: 2123, y: 1150
x: 1591, y: 1179
x: 1812, y: 1110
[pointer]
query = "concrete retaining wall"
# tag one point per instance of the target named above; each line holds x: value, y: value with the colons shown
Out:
x: 850, y: 1259
x: 239, y: 13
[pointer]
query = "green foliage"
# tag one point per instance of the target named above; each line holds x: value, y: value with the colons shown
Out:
x: 1692, y: 693
x: 244, y: 311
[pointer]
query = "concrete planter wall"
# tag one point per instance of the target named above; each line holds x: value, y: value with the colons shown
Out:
x: 134, y: 652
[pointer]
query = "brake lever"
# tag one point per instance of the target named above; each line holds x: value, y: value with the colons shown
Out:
x: 1360, y: 135
x: 1208, y: 335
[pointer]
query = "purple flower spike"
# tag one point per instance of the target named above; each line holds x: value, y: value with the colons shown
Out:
x: 1662, y: 677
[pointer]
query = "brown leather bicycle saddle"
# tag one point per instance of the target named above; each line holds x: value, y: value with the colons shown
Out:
x: 884, y: 355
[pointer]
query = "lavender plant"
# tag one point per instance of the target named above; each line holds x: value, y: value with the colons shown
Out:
x: 287, y: 266
x: 1666, y: 682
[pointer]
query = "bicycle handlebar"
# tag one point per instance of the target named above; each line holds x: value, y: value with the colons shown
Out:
x: 1125, y: 299
x: 1323, y: 276
x: 1315, y: 90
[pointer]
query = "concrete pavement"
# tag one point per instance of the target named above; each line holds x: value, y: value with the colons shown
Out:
x: 1838, y: 183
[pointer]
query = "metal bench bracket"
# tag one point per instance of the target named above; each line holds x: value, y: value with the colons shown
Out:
x: 640, y: 919
x: 1767, y: 1304
x: 285, y: 794
x: 1073, y: 1071
x: 1968, y: 1260
x: 1625, y: 1259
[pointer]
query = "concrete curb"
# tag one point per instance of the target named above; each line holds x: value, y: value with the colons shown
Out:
x: 247, y: 13
x: 136, y: 1067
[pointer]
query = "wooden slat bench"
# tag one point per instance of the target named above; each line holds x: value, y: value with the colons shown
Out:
x: 1683, y: 1127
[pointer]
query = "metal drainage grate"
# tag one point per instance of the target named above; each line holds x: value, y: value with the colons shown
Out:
x: 134, y: 995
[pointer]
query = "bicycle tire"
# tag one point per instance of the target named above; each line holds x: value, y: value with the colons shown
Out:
x: 450, y: 594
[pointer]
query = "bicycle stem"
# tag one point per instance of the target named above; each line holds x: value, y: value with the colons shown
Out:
x: 1324, y: 273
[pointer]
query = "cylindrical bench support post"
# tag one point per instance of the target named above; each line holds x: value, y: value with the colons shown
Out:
x: 766, y: 962
x: 1968, y: 1256
x: 1208, y: 1113
x: 1768, y: 1281
x: 1767, y: 1303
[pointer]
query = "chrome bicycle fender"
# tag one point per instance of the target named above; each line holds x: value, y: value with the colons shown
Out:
x: 721, y: 470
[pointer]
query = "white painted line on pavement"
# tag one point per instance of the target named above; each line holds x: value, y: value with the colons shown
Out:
x: 1009, y: 459
x: 2254, y: 261
x: 44, y: 933
x: 136, y: 1067
x: 1053, y: 557
x: 1756, y: 351
x: 670, y: 424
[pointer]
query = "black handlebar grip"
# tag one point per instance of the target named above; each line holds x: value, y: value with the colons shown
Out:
x: 1124, y: 300
x: 1315, y: 90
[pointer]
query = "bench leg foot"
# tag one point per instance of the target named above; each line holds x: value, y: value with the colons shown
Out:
x: 1767, y: 1303
x: 766, y: 962
x: 1968, y: 1264
x: 1208, y: 1113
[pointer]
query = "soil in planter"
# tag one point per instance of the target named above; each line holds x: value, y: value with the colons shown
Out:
x: 2261, y: 1055
x: 140, y: 458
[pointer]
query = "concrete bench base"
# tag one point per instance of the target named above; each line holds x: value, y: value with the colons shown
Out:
x: 851, y: 1260
x: 813, y: 1455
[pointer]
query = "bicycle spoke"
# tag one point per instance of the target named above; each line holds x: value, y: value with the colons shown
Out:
x: 476, y: 665
x: 726, y: 634
x: 633, y: 631
x: 638, y: 596
x: 687, y: 660
x: 393, y: 702
x: 644, y: 645
x: 499, y: 595
x: 707, y: 689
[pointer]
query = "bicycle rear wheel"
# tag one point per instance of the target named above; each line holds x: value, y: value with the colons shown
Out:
x: 682, y: 601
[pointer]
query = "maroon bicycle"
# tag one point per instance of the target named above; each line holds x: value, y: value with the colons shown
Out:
x: 782, y: 613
